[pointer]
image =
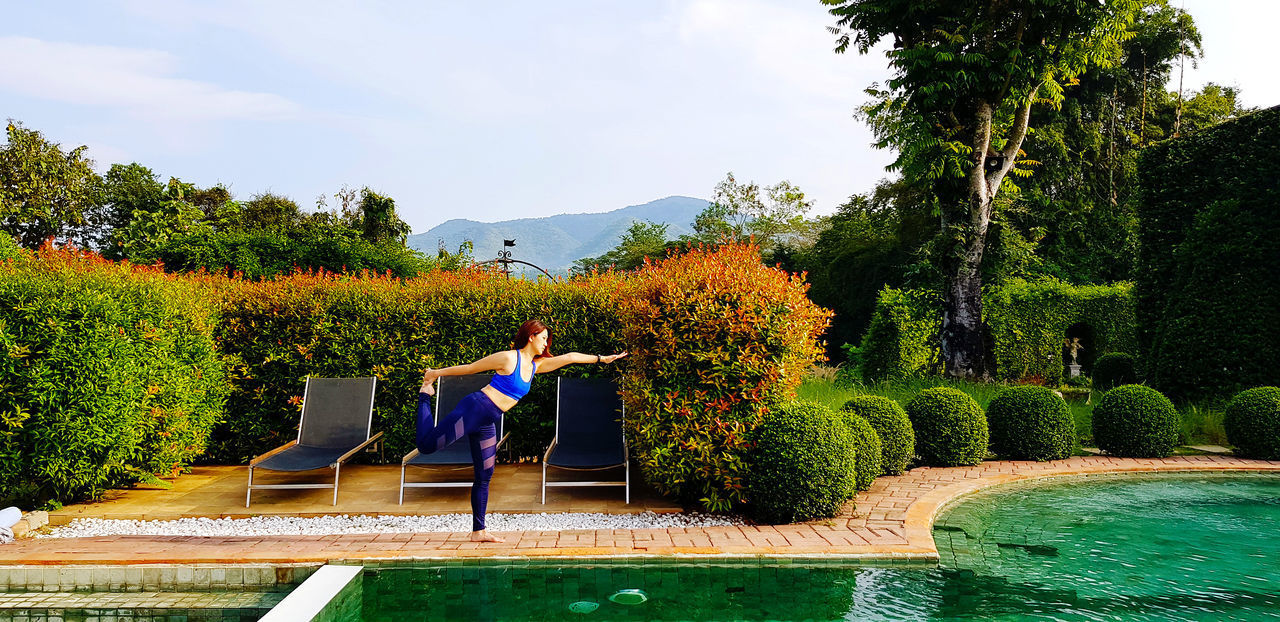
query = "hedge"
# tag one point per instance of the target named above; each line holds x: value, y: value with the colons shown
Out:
x: 279, y: 332
x: 1028, y: 322
x: 717, y: 339
x: 110, y: 375
x: 801, y: 467
x: 1209, y: 249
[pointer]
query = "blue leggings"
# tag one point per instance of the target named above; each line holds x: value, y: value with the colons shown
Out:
x: 475, y: 416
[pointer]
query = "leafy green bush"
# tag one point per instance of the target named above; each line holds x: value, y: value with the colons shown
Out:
x: 801, y: 467
x: 893, y: 428
x: 1252, y: 422
x: 717, y: 339
x: 1135, y: 421
x: 110, y: 376
x: 1030, y: 423
x: 867, y: 449
x: 950, y: 428
x: 900, y: 341
x: 1114, y: 369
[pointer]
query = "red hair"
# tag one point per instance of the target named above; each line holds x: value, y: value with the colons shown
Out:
x: 527, y: 331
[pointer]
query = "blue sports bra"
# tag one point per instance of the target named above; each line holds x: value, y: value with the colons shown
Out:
x: 513, y: 385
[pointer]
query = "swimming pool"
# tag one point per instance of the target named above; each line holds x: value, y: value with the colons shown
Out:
x: 1187, y: 547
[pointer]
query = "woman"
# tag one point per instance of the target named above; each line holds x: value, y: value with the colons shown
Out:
x: 477, y: 414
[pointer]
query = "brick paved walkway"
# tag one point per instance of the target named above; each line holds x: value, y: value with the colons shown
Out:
x: 893, y: 520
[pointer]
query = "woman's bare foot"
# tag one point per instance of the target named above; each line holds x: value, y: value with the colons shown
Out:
x: 428, y: 386
x: 484, y: 536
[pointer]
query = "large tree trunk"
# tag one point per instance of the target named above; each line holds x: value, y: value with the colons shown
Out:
x: 963, y: 349
x: 963, y: 354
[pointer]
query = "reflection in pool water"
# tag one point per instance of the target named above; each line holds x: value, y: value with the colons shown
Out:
x: 1185, y: 547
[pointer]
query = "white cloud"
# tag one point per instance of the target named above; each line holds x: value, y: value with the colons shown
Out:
x: 140, y: 82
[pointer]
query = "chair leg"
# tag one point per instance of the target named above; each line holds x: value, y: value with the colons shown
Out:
x: 337, y: 471
x: 627, y: 486
x: 401, y: 483
x: 248, y: 491
x: 544, y: 482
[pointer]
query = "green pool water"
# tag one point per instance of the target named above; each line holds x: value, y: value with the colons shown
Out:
x: 1172, y: 547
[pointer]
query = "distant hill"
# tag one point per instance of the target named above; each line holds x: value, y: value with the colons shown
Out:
x: 555, y: 242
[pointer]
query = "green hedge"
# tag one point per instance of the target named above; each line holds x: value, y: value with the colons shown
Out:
x: 1209, y: 251
x: 1030, y: 423
x: 893, y: 428
x: 110, y: 376
x: 1252, y: 423
x: 1028, y: 322
x: 801, y: 467
x: 279, y: 332
x: 950, y: 427
x: 1135, y: 421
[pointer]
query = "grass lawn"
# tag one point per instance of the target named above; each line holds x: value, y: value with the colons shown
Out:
x: 1201, y: 422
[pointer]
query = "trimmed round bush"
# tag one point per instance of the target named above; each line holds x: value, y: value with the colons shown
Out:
x: 1030, y: 423
x: 1252, y: 422
x: 950, y: 428
x: 1114, y: 369
x: 866, y: 448
x: 801, y: 466
x: 897, y: 440
x: 1135, y: 421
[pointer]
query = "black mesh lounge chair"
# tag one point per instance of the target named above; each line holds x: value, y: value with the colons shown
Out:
x: 337, y: 417
x: 457, y: 456
x: 589, y: 433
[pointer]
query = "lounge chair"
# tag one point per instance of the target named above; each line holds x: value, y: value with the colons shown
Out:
x: 457, y: 456
x: 589, y: 434
x: 337, y: 417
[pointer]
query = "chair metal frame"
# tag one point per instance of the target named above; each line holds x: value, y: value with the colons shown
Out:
x: 336, y: 465
x: 444, y: 466
x: 625, y: 464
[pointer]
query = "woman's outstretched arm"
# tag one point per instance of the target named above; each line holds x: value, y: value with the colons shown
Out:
x: 493, y: 362
x: 553, y: 363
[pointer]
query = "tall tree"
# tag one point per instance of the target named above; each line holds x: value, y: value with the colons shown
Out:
x: 47, y: 192
x: 738, y: 211
x: 379, y: 221
x: 642, y: 239
x: 957, y: 109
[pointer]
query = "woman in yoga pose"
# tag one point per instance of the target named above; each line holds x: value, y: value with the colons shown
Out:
x: 476, y: 415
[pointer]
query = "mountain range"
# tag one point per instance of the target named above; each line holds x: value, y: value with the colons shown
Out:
x: 555, y: 242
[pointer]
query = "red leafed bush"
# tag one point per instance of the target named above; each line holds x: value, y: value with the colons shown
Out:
x: 717, y: 339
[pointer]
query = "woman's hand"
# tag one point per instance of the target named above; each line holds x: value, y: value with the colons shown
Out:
x: 428, y: 380
x: 609, y: 358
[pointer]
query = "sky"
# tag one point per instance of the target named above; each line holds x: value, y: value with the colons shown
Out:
x: 488, y: 111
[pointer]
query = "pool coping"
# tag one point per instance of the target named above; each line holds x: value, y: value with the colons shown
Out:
x: 890, y: 524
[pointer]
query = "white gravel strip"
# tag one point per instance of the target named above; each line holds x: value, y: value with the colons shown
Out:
x: 356, y: 524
